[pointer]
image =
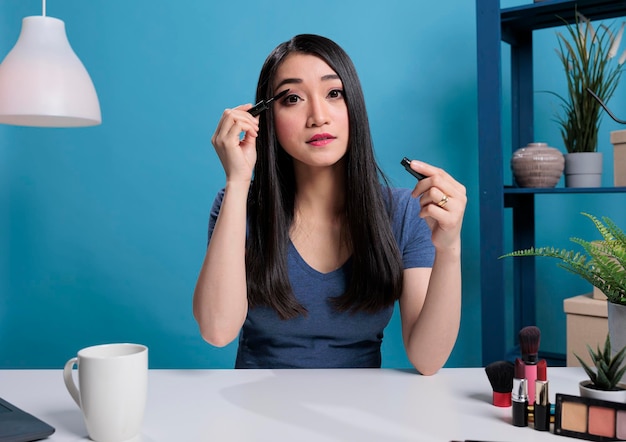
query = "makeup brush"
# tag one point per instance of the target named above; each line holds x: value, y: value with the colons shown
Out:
x: 529, y: 338
x: 500, y: 374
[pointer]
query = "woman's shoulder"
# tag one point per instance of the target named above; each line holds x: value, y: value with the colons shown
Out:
x: 400, y: 193
x: 400, y: 196
x: 403, y: 208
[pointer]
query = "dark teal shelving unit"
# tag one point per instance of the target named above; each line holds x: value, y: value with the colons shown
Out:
x: 515, y: 27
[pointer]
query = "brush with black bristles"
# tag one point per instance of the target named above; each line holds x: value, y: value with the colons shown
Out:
x: 529, y: 338
x: 500, y: 374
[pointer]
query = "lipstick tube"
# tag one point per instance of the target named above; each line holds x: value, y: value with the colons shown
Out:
x: 542, y: 406
x: 519, y: 400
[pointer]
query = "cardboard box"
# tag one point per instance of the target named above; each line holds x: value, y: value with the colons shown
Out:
x: 618, y: 138
x: 598, y: 294
x: 587, y: 323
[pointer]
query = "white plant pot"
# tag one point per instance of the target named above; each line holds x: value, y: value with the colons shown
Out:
x: 583, y: 169
x: 613, y: 396
x: 617, y: 326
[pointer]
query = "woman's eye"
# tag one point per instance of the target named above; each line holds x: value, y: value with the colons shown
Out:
x: 291, y: 99
x: 335, y: 93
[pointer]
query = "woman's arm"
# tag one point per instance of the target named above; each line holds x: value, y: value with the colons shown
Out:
x: 430, y: 304
x: 220, y: 303
x: 430, y: 308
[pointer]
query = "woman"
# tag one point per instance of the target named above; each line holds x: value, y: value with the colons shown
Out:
x: 306, y: 260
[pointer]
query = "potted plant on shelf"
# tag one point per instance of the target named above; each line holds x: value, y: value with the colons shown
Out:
x: 618, y: 139
x: 588, y: 58
x: 604, y: 378
x: 603, y: 265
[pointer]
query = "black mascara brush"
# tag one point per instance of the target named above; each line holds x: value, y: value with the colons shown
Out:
x: 265, y: 104
x: 500, y: 374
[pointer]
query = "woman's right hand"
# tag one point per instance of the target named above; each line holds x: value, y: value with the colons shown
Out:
x: 237, y: 154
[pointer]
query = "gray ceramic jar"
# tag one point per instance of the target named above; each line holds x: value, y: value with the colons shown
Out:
x: 537, y: 165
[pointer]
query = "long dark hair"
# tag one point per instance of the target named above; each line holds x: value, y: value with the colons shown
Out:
x: 375, y: 278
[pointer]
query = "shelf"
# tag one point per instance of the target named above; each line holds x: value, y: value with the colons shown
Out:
x: 512, y: 189
x: 514, y: 26
x: 514, y: 195
x: 551, y: 13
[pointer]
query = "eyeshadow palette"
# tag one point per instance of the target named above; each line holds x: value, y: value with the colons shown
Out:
x: 590, y: 419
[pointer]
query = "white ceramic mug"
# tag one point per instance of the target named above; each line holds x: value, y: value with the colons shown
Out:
x: 112, y: 389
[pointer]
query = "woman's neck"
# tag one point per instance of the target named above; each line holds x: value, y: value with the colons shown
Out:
x: 320, y: 191
x: 319, y: 227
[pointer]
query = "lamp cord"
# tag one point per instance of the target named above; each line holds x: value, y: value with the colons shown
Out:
x: 608, y: 111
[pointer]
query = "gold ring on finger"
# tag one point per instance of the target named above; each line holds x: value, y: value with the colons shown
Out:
x: 443, y: 201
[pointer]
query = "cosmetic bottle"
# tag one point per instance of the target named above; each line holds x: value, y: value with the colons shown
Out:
x: 519, y: 399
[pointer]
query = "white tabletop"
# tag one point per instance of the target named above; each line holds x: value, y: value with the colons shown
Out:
x: 298, y: 405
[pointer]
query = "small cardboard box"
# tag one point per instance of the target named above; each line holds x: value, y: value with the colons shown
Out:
x: 587, y: 323
x: 618, y: 138
x: 598, y: 294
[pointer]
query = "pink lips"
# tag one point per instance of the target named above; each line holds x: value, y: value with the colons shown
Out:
x: 320, y: 140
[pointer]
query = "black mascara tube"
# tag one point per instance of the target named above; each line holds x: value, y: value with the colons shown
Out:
x: 407, y: 165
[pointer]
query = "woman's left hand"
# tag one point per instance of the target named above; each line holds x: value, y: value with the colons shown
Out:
x: 443, y: 201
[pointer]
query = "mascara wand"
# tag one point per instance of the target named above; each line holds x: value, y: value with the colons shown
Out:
x: 265, y: 104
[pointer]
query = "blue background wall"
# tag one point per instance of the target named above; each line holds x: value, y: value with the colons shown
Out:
x: 103, y: 229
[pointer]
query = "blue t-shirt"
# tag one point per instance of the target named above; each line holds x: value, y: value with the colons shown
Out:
x: 325, y: 337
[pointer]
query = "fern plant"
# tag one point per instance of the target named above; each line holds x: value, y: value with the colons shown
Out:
x: 603, y: 264
x: 608, y: 370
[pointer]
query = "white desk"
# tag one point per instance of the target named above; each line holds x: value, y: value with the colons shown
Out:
x: 298, y: 405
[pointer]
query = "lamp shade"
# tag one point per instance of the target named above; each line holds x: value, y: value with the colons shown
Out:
x: 43, y: 82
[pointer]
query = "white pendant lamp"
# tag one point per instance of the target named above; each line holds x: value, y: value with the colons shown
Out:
x: 42, y: 81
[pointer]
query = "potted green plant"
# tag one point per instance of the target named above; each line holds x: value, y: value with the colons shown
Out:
x: 606, y: 374
x: 588, y: 58
x: 602, y: 263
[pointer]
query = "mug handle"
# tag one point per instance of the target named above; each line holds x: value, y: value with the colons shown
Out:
x: 69, y: 380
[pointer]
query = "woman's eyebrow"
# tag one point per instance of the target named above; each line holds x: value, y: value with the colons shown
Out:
x: 288, y: 81
x: 299, y: 80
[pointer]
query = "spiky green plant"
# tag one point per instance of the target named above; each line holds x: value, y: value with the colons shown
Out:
x: 603, y: 264
x: 608, y: 370
x: 587, y: 58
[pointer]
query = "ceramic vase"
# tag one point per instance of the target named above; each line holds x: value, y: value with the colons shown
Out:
x: 537, y: 165
x: 583, y: 169
x: 618, y: 139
